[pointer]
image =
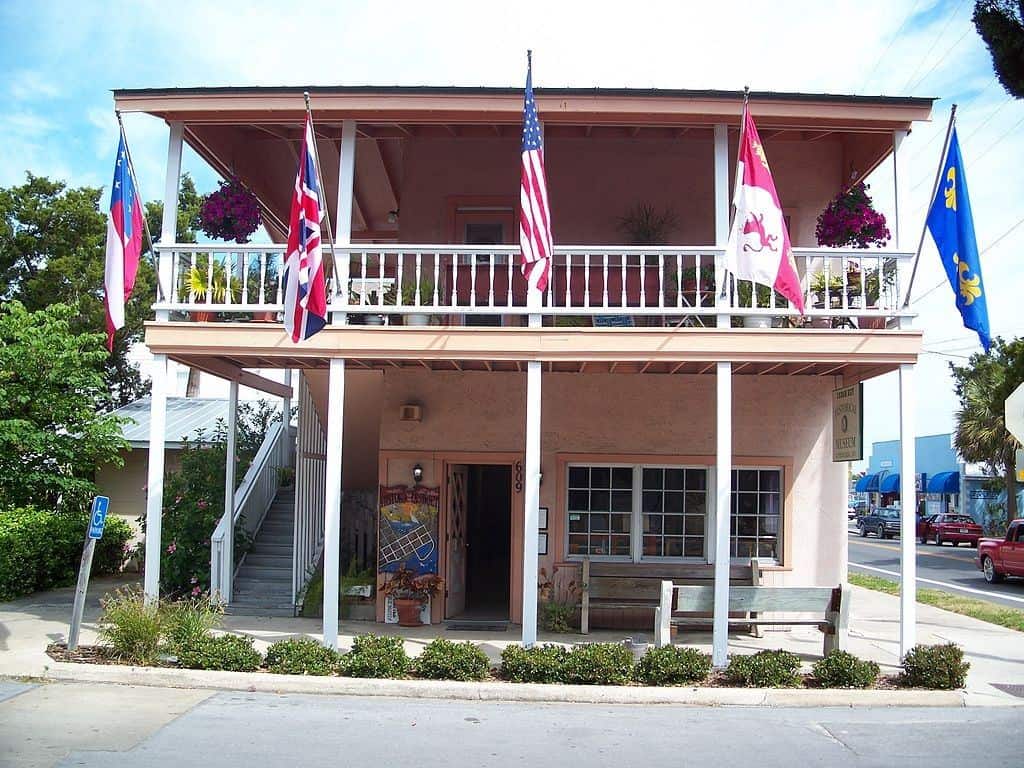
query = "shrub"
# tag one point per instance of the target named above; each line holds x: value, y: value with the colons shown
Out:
x: 375, y: 656
x: 557, y: 617
x: 765, y: 669
x: 839, y: 669
x: 189, y: 621
x: 131, y: 627
x: 672, y: 666
x: 539, y: 664
x: 233, y: 653
x: 935, y: 666
x: 302, y: 656
x: 41, y: 549
x: 444, y: 660
x: 599, y: 664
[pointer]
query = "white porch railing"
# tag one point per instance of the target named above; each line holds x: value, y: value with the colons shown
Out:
x: 310, y: 468
x: 585, y: 280
x: 253, y: 498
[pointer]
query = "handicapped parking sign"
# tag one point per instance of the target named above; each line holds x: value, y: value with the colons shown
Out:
x: 100, y: 505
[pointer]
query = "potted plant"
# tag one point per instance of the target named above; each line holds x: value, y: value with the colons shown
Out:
x: 426, y: 288
x: 410, y: 592
x: 851, y: 221
x: 208, y: 276
x: 646, y: 225
x: 230, y: 213
x: 864, y: 289
x: 745, y: 295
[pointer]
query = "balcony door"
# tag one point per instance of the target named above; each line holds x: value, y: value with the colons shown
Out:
x: 483, y: 222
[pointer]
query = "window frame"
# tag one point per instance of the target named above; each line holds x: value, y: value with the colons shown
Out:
x: 780, y: 536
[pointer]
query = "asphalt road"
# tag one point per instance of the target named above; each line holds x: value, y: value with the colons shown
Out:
x: 946, y: 568
x: 255, y: 730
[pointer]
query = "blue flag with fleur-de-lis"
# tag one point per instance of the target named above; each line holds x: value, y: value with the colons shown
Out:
x: 952, y: 227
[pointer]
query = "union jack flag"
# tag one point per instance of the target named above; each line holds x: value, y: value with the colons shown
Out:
x: 534, y: 218
x: 305, y: 293
x: 124, y: 242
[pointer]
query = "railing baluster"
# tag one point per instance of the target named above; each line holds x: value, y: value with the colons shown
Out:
x: 622, y: 266
x: 661, y: 279
x: 472, y: 279
x: 417, y: 299
x: 362, y: 278
x: 586, y: 280
x: 509, y: 271
x: 263, y: 277
x: 698, y: 295
x: 436, y: 280
x: 643, y: 279
x: 490, y: 292
x: 568, y: 279
x: 245, y: 277
x: 604, y: 279
x: 398, y: 279
x: 455, y: 278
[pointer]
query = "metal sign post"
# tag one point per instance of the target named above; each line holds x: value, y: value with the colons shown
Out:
x: 97, y: 521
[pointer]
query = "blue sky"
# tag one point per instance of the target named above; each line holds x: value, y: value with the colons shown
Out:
x: 60, y: 60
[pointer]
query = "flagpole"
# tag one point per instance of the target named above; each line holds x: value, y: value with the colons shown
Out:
x: 145, y: 222
x: 935, y: 188
x: 327, y: 213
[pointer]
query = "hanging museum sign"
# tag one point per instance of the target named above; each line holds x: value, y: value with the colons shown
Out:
x: 407, y: 528
x: 848, y: 423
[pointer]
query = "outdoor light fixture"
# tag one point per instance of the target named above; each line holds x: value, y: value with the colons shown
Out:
x: 392, y: 216
x: 417, y: 474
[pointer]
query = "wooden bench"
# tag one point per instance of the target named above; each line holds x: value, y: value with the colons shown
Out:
x: 830, y: 606
x: 638, y: 585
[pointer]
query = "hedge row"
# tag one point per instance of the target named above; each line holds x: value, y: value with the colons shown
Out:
x: 41, y: 549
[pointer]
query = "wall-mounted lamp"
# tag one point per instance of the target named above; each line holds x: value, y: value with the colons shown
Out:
x: 417, y: 474
x: 540, y: 478
x: 393, y: 216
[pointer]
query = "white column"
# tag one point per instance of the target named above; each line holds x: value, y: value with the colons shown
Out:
x: 901, y: 190
x: 531, y: 497
x: 285, y: 451
x: 723, y: 501
x: 908, y: 519
x: 169, y: 224
x: 332, y: 499
x: 343, y: 235
x: 228, y: 574
x: 155, y: 482
x: 722, y: 195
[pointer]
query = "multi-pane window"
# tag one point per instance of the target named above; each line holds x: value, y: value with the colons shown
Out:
x: 756, y: 514
x: 674, y: 504
x: 600, y: 510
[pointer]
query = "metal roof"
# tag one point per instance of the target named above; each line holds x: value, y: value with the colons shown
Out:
x: 185, y: 417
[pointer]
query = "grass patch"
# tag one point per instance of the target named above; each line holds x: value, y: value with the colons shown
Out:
x: 1011, y: 618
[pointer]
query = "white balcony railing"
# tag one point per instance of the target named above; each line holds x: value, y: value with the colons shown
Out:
x: 454, y: 281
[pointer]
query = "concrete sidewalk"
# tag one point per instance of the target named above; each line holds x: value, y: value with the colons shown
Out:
x: 29, y: 624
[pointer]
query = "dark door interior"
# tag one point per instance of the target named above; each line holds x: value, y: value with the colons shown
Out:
x: 489, y: 541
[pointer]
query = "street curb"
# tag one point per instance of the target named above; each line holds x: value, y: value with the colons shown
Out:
x: 495, y: 691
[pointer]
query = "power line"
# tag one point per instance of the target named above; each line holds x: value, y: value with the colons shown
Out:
x: 949, y: 20
x: 940, y: 134
x: 941, y: 59
x: 892, y: 40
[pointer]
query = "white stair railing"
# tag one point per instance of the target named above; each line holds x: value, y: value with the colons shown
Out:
x: 253, y: 499
x: 310, y: 469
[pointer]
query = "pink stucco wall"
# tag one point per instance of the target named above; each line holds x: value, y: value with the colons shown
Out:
x: 639, y: 414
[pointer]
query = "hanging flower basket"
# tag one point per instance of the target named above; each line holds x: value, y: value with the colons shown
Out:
x: 230, y: 213
x: 850, y: 221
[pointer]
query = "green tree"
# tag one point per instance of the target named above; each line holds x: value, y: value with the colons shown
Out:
x: 983, y: 386
x: 1001, y: 25
x: 53, y: 435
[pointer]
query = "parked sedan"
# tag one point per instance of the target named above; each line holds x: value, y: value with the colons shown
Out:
x: 955, y: 529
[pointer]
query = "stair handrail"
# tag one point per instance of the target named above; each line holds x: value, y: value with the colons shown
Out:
x: 255, y: 494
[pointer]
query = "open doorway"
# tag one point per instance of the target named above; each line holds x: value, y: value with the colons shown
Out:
x: 479, y: 541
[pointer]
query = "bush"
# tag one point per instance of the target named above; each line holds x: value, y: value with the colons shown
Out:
x: 539, y: 664
x: 765, y: 669
x: 599, y: 664
x: 557, y: 617
x: 302, y: 656
x: 444, y: 660
x: 935, y: 666
x: 672, y: 666
x: 187, y: 622
x: 233, y: 653
x: 40, y: 549
x: 375, y: 656
x: 839, y: 669
x: 132, y: 628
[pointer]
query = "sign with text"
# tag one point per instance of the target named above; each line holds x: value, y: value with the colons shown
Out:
x: 848, y: 423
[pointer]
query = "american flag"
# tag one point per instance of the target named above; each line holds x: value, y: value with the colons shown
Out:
x: 124, y: 242
x: 534, y: 216
x: 305, y: 293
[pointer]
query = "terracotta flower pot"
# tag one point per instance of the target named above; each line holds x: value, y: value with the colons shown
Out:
x: 202, y: 317
x: 408, y: 612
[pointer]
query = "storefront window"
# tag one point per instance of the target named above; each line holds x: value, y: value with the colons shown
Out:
x: 756, y: 514
x: 600, y: 510
x: 674, y: 503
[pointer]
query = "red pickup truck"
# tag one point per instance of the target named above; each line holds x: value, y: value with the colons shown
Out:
x: 1003, y: 557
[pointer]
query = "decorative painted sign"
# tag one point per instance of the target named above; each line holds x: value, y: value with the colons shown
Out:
x: 407, y: 529
x: 848, y: 423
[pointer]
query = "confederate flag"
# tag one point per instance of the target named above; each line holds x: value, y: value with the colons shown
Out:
x: 124, y: 243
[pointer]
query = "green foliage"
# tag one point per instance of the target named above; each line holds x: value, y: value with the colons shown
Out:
x: 599, y: 664
x: 188, y: 622
x: 375, y: 656
x: 939, y: 667
x: 765, y: 669
x: 40, y: 549
x: 131, y: 628
x: 444, y: 660
x: 839, y: 669
x: 233, y: 653
x: 51, y: 389
x: 1001, y: 25
x: 557, y: 617
x: 302, y: 656
x: 539, y: 664
x: 670, y: 665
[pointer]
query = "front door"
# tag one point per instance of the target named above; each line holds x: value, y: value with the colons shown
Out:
x: 455, y: 578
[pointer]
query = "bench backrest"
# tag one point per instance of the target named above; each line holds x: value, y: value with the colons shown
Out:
x: 642, y: 581
x: 759, y: 599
